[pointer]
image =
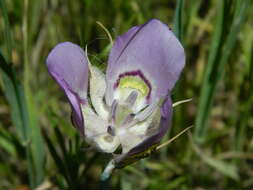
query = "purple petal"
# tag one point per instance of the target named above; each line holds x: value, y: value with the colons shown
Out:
x: 139, y: 151
x: 151, y: 50
x: 120, y: 43
x: 67, y: 63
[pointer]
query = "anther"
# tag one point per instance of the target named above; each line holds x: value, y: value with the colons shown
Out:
x: 112, y: 113
x: 110, y: 130
x: 146, y: 112
x: 131, y: 98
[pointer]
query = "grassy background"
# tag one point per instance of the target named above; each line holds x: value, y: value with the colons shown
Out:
x: 38, y: 145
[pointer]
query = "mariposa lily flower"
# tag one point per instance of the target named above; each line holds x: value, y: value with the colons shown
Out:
x: 128, y: 107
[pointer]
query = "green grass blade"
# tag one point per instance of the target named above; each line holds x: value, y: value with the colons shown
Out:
x: 15, y: 97
x: 23, y: 117
x: 178, y: 20
x: 245, y: 105
x: 57, y: 158
x: 7, y: 31
x: 36, y: 153
x: 192, y: 16
x: 6, y: 143
x: 216, y: 66
x: 207, y: 86
x: 223, y: 167
x: 227, y: 169
x: 37, y: 145
x: 30, y: 138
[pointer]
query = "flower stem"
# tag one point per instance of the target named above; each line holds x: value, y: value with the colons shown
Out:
x: 105, y: 176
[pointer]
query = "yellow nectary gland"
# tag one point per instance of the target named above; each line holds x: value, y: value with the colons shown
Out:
x: 134, y: 83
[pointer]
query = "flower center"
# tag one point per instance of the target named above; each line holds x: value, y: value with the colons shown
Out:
x: 125, y: 120
x: 133, y: 81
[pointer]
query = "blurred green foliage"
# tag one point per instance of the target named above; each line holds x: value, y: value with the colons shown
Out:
x: 38, y: 145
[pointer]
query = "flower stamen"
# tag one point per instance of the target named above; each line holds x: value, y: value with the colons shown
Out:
x: 112, y: 113
x: 111, y: 130
x: 131, y: 99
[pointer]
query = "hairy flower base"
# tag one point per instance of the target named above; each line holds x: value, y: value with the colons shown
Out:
x: 121, y: 161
